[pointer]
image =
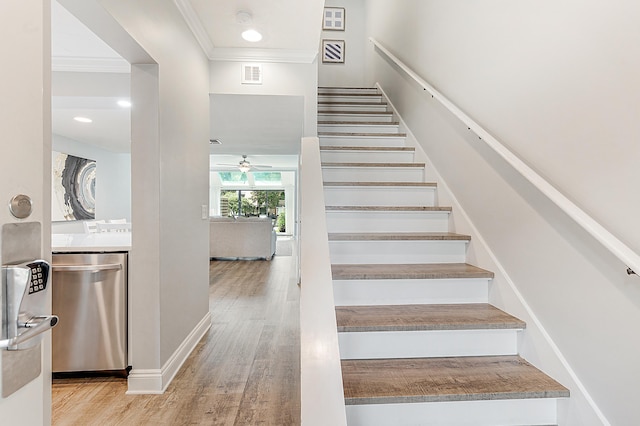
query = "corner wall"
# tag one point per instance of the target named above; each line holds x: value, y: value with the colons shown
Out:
x: 169, y: 263
x: 552, y: 99
x: 351, y: 72
x: 170, y: 171
x: 279, y: 78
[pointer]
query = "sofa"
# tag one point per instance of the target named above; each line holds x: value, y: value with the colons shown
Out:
x: 241, y: 238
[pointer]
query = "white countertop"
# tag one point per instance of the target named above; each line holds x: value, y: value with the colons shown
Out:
x: 105, y: 241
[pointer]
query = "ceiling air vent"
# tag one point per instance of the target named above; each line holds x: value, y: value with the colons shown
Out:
x: 251, y: 73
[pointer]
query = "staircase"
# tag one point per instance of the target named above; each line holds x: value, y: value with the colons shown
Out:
x: 419, y: 343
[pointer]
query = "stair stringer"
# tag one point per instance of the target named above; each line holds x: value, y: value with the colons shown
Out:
x: 534, y: 344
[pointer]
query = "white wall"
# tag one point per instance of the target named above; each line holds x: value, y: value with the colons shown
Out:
x: 170, y: 174
x: 558, y: 87
x: 279, y: 78
x: 25, y: 161
x: 351, y: 72
x: 113, y: 182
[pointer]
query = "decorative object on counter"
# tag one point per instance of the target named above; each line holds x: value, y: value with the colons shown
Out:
x: 113, y: 225
x: 333, y: 19
x: 333, y: 51
x: 74, y: 188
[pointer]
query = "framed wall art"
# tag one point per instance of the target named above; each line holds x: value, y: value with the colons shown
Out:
x: 333, y: 51
x: 73, y: 188
x: 333, y: 19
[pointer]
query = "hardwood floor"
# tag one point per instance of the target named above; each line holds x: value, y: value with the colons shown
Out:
x: 245, y: 371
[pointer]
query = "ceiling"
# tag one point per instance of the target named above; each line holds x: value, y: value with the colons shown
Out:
x: 76, y: 51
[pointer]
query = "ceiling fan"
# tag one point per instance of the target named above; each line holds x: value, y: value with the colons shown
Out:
x: 245, y: 166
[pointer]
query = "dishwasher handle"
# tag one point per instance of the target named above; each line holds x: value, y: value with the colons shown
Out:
x: 87, y: 268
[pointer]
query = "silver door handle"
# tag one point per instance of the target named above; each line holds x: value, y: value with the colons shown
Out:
x: 34, y: 327
x: 87, y: 268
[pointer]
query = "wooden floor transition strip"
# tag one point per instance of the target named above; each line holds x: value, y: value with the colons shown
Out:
x: 466, y: 316
x: 391, y: 381
x: 408, y: 271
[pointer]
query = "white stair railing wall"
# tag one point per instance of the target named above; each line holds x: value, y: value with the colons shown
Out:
x: 588, y: 267
x: 322, y: 397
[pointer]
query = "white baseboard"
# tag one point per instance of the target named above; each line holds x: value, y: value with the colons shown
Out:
x: 156, y: 381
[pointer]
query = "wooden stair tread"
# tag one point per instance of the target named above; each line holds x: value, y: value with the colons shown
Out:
x: 351, y: 103
x: 367, y: 148
x: 407, y: 271
x: 325, y: 112
x: 346, y: 88
x: 398, y: 236
x: 388, y: 381
x: 389, y: 208
x: 405, y: 165
x: 350, y: 94
x: 368, y: 135
x: 383, y: 184
x: 359, y: 123
x: 467, y: 316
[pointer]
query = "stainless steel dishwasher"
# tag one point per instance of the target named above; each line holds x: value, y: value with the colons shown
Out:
x: 89, y: 292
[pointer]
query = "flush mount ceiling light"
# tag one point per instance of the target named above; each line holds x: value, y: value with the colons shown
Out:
x: 245, y: 19
x: 83, y: 119
x: 251, y: 35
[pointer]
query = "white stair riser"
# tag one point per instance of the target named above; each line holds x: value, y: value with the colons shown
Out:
x: 373, y: 221
x: 383, y: 118
x: 410, y: 291
x: 349, y: 98
x: 379, y: 196
x: 359, y: 128
x: 427, y: 344
x: 348, y: 107
x: 359, y: 252
x: 361, y: 141
x: 373, y: 174
x: 513, y: 412
x: 367, y: 156
x: 322, y: 90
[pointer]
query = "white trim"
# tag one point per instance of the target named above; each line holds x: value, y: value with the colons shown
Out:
x: 242, y: 54
x: 479, y: 240
x: 80, y: 64
x: 194, y: 23
x: 607, y: 239
x: 322, y: 394
x: 156, y: 381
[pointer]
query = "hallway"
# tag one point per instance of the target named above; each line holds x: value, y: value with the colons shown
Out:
x: 246, y: 371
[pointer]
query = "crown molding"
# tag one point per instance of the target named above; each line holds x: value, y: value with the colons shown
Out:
x: 83, y: 64
x: 194, y: 23
x: 237, y: 54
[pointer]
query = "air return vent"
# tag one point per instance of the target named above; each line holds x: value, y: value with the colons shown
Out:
x: 251, y: 73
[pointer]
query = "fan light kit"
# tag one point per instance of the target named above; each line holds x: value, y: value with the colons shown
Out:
x: 245, y: 166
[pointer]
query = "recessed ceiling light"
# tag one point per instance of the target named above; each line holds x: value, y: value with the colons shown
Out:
x: 124, y: 103
x: 83, y: 119
x: 252, y: 36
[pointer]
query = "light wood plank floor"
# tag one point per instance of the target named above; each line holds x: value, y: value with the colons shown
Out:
x: 245, y: 371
